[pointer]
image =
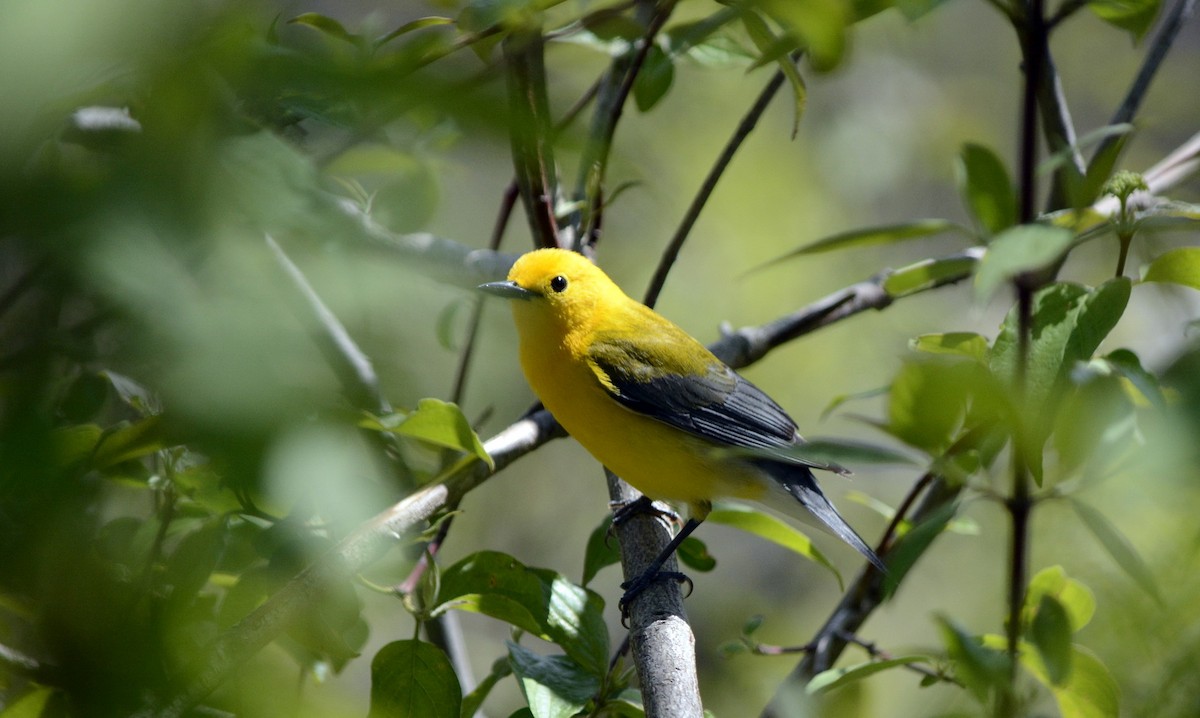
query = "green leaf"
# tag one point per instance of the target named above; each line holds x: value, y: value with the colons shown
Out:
x: 828, y: 680
x: 1096, y: 423
x: 539, y: 601
x: 773, y: 530
x: 683, y: 37
x: 613, y: 26
x: 986, y: 188
x: 446, y: 322
x: 981, y: 668
x: 1119, y: 548
x: 133, y: 394
x: 840, y: 399
x: 694, y: 554
x: 930, y: 398
x: 31, y: 705
x: 927, y: 274
x: 654, y: 79
x: 968, y: 344
x: 601, y: 550
x: 1127, y: 365
x: 327, y: 26
x: 1089, y: 692
x: 501, y: 669
x: 1026, y: 248
x: 418, y: 24
x: 820, y: 25
x: 479, y: 15
x: 1050, y: 633
x: 912, y: 545
x: 771, y: 49
x: 914, y: 10
x: 128, y: 441
x: 1063, y: 156
x: 413, y: 678
x: 1178, y: 266
x: 1133, y: 16
x: 437, y: 422
x: 1072, y: 596
x: 193, y: 562
x: 883, y: 234
x: 1069, y: 322
x: 554, y: 686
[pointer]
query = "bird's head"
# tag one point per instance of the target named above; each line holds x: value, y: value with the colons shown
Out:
x: 558, y: 286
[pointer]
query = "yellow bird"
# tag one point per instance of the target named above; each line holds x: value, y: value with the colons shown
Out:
x: 651, y: 403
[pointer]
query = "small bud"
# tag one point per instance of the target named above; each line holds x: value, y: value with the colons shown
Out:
x: 1124, y: 183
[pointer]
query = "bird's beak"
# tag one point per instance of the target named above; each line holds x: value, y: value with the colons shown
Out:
x: 508, y: 290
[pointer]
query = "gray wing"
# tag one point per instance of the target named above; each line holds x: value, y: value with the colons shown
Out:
x: 709, y: 401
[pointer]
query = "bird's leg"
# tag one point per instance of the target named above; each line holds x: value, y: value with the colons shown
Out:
x: 634, y: 586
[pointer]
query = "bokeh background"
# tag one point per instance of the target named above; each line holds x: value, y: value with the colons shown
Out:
x: 142, y: 253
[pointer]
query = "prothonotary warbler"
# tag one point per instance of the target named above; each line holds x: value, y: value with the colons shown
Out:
x: 650, y: 402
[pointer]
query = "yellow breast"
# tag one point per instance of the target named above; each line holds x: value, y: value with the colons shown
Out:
x: 659, y: 460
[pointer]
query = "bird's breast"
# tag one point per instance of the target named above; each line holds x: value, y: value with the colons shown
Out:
x: 659, y: 460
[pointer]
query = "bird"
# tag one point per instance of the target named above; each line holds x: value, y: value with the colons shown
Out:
x: 653, y: 404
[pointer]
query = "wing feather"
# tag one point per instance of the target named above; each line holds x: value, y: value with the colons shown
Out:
x: 710, y: 400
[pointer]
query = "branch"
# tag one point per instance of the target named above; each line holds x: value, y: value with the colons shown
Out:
x: 865, y: 594
x: 354, y: 553
x: 1155, y: 54
x: 661, y: 641
x: 744, y: 128
x: 352, y: 366
x: 530, y: 130
x: 611, y: 96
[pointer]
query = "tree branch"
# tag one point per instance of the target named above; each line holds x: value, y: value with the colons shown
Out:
x: 1155, y: 54
x: 355, y: 552
x: 744, y: 128
x: 611, y: 96
x: 530, y: 130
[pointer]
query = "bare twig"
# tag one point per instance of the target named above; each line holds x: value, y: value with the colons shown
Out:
x: 744, y: 128
x: 611, y: 96
x: 1155, y: 54
x: 862, y: 597
x: 464, y: 363
x: 352, y: 366
x: 533, y: 155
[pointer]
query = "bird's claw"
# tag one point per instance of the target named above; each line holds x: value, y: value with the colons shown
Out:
x: 635, y: 586
x: 625, y: 510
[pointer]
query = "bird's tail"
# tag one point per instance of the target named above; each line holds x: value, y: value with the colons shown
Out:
x: 799, y: 484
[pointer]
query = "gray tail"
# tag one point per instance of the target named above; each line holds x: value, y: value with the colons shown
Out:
x: 801, y: 485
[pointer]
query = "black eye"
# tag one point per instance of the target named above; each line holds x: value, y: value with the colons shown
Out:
x: 559, y: 283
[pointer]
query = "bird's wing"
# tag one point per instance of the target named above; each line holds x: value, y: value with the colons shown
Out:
x: 706, y: 399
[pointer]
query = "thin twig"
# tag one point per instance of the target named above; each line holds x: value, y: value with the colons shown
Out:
x: 352, y: 366
x: 744, y: 128
x: 612, y: 93
x: 1155, y: 54
x: 532, y: 148
x: 464, y: 362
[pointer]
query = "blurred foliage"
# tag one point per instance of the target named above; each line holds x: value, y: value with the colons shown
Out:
x: 184, y: 432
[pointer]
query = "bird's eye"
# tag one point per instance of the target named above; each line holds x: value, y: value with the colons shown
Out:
x: 559, y: 283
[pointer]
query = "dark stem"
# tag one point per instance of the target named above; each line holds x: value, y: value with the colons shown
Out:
x: 507, y: 203
x: 611, y: 95
x: 1163, y: 40
x: 530, y: 131
x: 744, y: 128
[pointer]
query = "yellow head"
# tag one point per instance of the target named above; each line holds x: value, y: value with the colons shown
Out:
x: 556, y: 291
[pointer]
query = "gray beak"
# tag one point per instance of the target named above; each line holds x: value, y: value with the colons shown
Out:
x: 507, y: 290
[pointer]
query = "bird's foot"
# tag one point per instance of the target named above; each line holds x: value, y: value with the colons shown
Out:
x: 625, y: 510
x: 635, y: 586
